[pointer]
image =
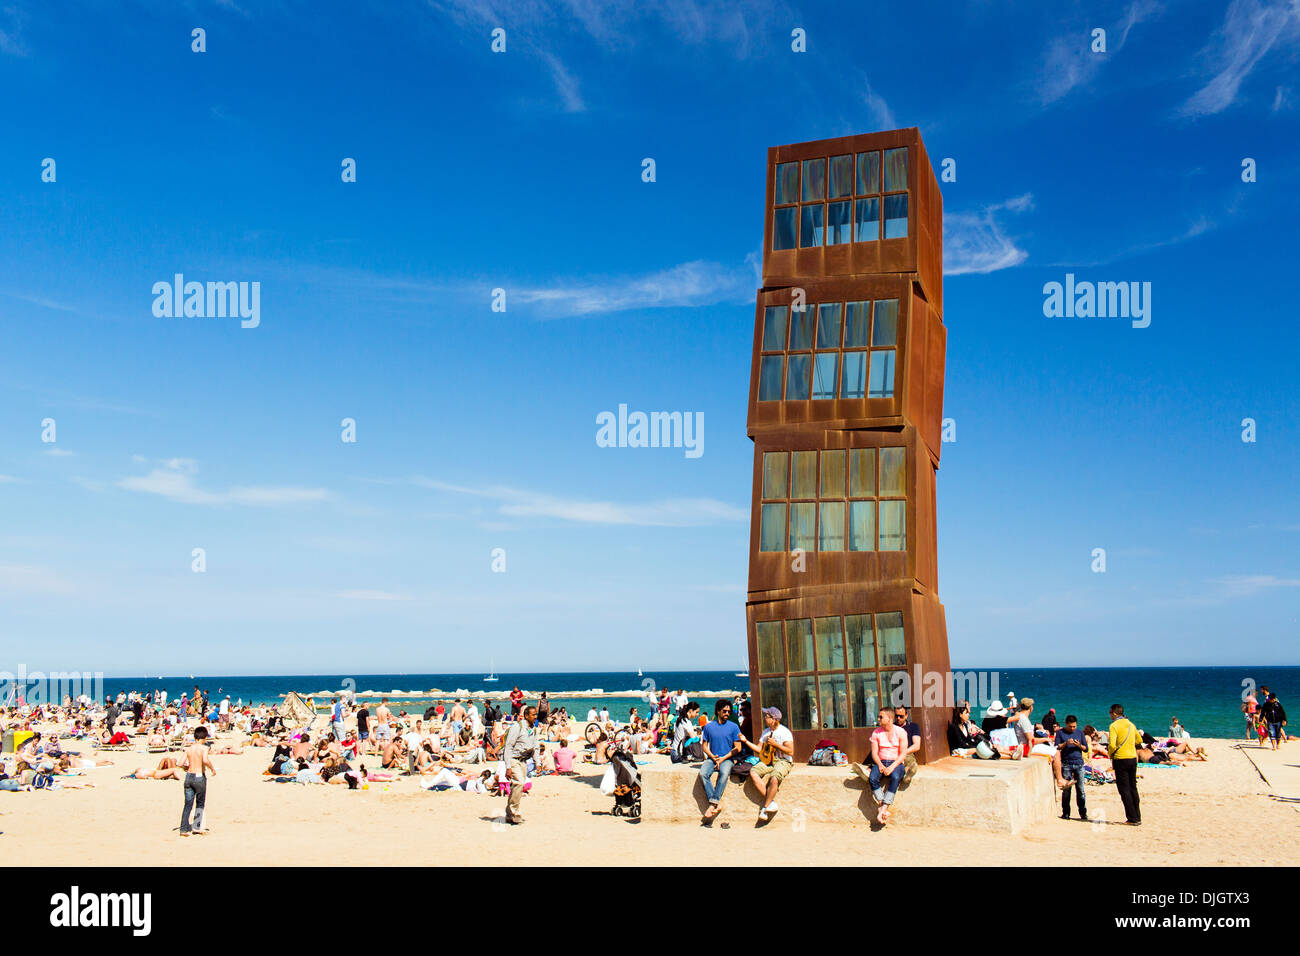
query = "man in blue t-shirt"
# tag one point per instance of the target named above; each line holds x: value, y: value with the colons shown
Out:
x: 1072, y: 748
x: 721, y: 740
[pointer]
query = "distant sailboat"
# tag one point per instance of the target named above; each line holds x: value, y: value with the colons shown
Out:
x: 744, y: 673
x: 638, y: 673
x: 492, y: 672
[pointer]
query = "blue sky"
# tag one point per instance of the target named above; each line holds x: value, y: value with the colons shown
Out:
x: 476, y: 429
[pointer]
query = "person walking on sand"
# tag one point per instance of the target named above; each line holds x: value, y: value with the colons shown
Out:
x: 521, y: 744
x: 1122, y: 748
x: 197, y: 764
x: 1274, y: 716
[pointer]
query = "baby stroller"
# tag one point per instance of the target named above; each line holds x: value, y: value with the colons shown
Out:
x: 627, y: 784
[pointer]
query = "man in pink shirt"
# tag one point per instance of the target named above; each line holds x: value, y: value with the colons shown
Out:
x: 888, y: 744
x: 564, y: 758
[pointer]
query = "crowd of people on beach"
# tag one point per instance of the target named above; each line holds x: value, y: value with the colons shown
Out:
x: 457, y: 744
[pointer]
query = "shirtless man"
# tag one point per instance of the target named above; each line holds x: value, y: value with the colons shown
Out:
x: 394, y: 754
x: 383, y: 723
x: 197, y: 763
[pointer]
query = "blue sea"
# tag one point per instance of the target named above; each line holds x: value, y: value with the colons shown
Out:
x: 1206, y: 700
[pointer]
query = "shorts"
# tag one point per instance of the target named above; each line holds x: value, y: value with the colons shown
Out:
x: 382, y: 732
x: 779, y: 770
x: 364, y: 735
x: 1274, y: 731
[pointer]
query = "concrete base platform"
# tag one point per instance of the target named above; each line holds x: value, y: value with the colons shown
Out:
x: 1000, y: 796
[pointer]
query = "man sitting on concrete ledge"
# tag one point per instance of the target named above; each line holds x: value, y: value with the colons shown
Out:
x: 721, y: 747
x: 775, y: 760
x: 888, y: 741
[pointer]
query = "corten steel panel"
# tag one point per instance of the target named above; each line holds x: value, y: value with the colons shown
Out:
x: 914, y: 568
x: 918, y: 380
x: 923, y: 397
x: 921, y: 251
x: 926, y: 641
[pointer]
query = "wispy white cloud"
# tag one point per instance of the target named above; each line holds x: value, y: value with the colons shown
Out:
x: 9, y: 480
x: 881, y: 115
x: 727, y: 25
x: 1250, y: 29
x: 175, y: 480
x: 28, y: 579
x: 1249, y: 585
x: 565, y: 84
x: 1070, y: 61
x: 59, y: 453
x: 688, y: 285
x: 976, y: 242
x: 365, y: 595
x: 669, y: 512
x: 11, y: 24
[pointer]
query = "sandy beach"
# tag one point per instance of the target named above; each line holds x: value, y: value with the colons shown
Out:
x: 1218, y: 813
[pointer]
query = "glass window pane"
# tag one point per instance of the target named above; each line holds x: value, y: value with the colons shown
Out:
x: 803, y: 526
x: 854, y: 383
x: 814, y: 179
x: 895, y: 216
x: 832, y: 526
x: 894, y: 687
x: 787, y: 183
x: 772, y: 691
x: 796, y: 383
x: 889, y: 635
x: 834, y: 702
x: 893, y: 525
x: 771, y: 653
x: 825, y: 372
x: 811, y: 232
x: 857, y: 323
x: 841, y: 176
x: 864, y: 697
x: 893, y: 472
x: 803, y: 703
x: 771, y: 536
x: 828, y: 325
x: 882, y: 374
x: 798, y: 645
x: 868, y: 173
x: 774, y: 317
x: 862, y: 472
x: 838, y: 226
x: 769, y: 378
x: 862, y: 525
x: 861, y: 640
x: 830, y: 643
x: 801, y: 329
x: 885, y: 331
x: 895, y: 169
x: 833, y: 473
x: 783, y: 226
x: 776, y: 472
x: 805, y: 475
x: 866, y: 218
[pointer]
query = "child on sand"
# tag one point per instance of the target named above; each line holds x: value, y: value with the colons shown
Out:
x: 197, y: 763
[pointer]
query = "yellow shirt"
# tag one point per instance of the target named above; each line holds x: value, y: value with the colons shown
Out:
x: 1123, y: 740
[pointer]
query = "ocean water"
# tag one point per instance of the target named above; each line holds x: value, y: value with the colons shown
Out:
x: 1206, y: 700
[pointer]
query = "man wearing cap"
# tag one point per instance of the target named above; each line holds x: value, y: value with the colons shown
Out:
x: 779, y: 742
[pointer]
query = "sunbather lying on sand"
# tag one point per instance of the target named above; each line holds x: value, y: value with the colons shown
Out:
x: 168, y: 768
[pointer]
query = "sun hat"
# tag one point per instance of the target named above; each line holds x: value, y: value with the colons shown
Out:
x: 774, y: 712
x: 996, y: 709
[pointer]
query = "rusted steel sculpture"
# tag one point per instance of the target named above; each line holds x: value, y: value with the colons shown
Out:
x: 846, y: 412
